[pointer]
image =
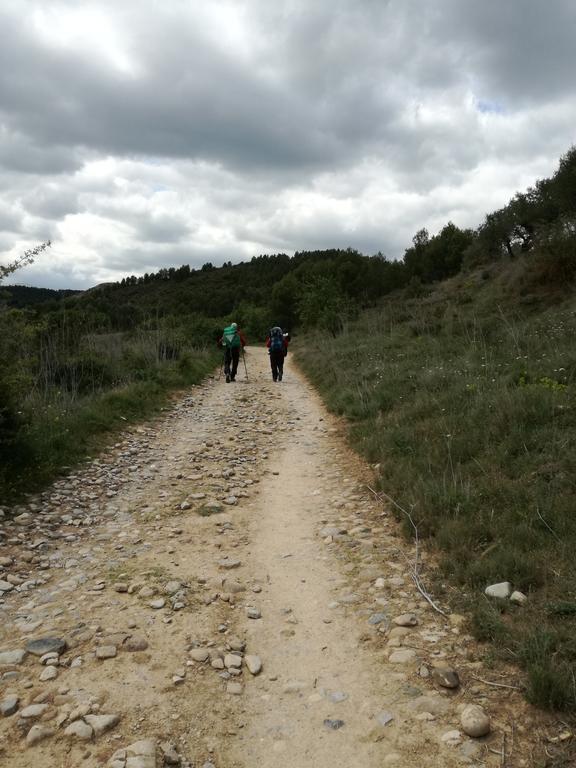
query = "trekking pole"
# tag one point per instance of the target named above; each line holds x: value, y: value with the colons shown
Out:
x: 244, y: 359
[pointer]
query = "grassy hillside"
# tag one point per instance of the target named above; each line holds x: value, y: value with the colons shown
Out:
x: 465, y: 398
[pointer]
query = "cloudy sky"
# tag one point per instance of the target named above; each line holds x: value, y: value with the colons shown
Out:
x: 137, y: 134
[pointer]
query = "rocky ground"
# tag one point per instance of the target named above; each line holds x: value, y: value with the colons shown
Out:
x: 221, y: 589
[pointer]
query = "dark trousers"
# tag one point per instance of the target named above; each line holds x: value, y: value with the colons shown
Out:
x: 231, y: 356
x: 277, y: 364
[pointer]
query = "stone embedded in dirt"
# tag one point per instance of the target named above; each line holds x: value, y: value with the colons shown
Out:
x: 378, y: 618
x: 333, y: 725
x: 9, y: 705
x: 157, y: 604
x: 46, y: 645
x: 171, y: 756
x: 5, y: 586
x: 253, y: 613
x: 518, y: 598
x: 79, y: 730
x: 384, y: 718
x: 502, y: 590
x: 403, y: 656
x: 50, y: 673
x: 12, y: 658
x: 121, y: 586
x: 199, y: 654
x: 38, y: 733
x: 106, y: 652
x: 229, y: 563
x: 452, y: 738
x: 434, y: 704
x: 254, y: 664
x: 34, y: 710
x: 235, y: 689
x: 236, y: 644
x: 406, y: 620
x: 231, y: 660
x: 231, y: 501
x: 217, y: 663
x: 337, y: 696
x: 172, y: 587
x: 474, y: 721
x: 147, y: 592
x: 446, y: 677
x: 102, y: 723
x: 141, y: 754
x: 185, y: 505
x: 135, y: 643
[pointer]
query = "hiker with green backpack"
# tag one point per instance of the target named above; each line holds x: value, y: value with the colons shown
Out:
x: 233, y: 342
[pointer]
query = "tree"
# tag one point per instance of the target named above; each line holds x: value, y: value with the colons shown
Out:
x: 26, y: 258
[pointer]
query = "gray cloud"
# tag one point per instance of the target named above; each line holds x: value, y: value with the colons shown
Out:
x: 137, y: 132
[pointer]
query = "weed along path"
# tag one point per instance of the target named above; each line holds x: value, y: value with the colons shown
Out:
x: 221, y: 590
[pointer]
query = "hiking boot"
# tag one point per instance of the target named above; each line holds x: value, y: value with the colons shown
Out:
x: 279, y: 377
x: 227, y: 378
x: 274, y: 378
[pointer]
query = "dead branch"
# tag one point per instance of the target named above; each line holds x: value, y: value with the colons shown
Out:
x: 415, y: 568
x: 496, y: 685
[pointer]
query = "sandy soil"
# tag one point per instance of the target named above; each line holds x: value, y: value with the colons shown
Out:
x: 242, y: 500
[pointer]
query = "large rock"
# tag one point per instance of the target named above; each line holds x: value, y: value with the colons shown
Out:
x: 46, y: 645
x: 502, y: 590
x: 475, y: 722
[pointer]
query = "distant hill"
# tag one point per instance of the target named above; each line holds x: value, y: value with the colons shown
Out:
x: 23, y: 296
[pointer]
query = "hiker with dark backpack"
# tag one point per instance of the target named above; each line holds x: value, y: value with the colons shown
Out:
x: 277, y: 343
x: 233, y: 342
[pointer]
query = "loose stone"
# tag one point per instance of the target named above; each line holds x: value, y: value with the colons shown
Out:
x: 406, y: 620
x: 254, y: 664
x: 37, y: 734
x: 446, y: 677
x: 199, y: 654
x: 12, y: 658
x: 333, y: 725
x: 106, y: 652
x: 475, y: 722
x: 50, y: 673
x: 501, y: 590
x: 46, y: 645
x: 102, y: 723
x: 9, y: 706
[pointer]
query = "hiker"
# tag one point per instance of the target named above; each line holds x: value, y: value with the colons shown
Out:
x: 233, y: 342
x: 277, y: 343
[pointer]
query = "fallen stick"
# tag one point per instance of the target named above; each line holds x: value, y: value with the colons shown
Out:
x: 415, y: 575
x: 496, y: 685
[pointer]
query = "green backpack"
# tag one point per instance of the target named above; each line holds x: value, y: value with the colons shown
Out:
x: 231, y: 337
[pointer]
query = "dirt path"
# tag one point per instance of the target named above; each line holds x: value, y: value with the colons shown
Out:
x: 234, y: 531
